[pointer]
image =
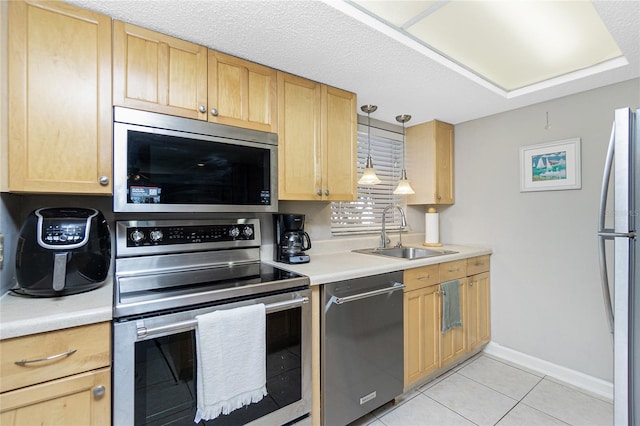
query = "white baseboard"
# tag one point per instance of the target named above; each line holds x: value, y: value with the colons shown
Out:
x: 572, y: 377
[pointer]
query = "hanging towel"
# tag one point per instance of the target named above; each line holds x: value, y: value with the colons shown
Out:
x: 223, y: 338
x: 450, y: 305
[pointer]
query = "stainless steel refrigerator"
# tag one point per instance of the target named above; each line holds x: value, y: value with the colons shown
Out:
x: 618, y: 220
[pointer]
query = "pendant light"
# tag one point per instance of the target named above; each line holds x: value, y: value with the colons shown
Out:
x: 404, y: 187
x: 369, y: 176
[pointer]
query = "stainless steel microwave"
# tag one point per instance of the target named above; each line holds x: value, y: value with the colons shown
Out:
x: 171, y: 164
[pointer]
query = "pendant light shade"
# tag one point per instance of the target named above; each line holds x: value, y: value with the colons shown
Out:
x: 404, y: 187
x: 369, y: 175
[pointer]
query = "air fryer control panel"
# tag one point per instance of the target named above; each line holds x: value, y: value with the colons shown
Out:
x: 64, y: 229
x: 59, y: 233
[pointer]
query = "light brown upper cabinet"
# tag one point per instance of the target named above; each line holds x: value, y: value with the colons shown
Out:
x: 155, y: 72
x: 429, y: 157
x: 242, y: 93
x: 59, y: 98
x: 316, y: 141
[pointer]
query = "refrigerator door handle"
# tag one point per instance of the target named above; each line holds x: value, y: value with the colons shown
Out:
x: 609, y: 234
x: 603, y: 233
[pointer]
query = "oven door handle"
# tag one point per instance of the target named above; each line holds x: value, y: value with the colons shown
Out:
x: 143, y: 332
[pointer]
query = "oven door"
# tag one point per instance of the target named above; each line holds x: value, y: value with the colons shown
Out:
x: 154, y: 366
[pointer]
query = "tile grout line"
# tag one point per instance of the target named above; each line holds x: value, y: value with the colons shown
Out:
x: 453, y: 411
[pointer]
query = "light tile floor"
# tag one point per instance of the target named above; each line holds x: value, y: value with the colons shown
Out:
x: 488, y: 391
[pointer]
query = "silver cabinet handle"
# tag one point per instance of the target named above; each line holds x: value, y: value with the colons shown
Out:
x: 214, y: 112
x: 24, y: 362
x: 347, y: 299
x: 470, y: 283
x: 98, y: 391
x: 326, y: 192
x: 104, y: 180
x: 441, y: 292
x: 202, y: 108
x: 319, y: 192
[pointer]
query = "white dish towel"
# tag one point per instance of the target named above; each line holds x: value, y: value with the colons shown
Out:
x: 231, y: 363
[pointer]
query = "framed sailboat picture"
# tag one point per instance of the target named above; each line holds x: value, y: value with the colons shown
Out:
x: 550, y: 166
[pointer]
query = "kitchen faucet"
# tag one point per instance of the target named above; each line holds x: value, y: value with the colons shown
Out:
x: 383, y: 235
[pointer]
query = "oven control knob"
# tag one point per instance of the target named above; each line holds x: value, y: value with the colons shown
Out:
x: 247, y: 231
x: 234, y: 232
x: 156, y: 235
x: 137, y: 236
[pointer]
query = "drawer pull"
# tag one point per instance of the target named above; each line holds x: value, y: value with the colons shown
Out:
x: 454, y: 270
x: 424, y: 277
x: 24, y: 362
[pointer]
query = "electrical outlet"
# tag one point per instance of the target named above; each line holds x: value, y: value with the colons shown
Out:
x: 1, y: 250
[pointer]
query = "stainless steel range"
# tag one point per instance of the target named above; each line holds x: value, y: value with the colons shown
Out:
x: 167, y: 273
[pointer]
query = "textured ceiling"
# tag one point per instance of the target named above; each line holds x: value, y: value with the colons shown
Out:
x: 319, y: 41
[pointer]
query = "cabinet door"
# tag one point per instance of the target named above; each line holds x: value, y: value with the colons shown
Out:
x: 59, y: 98
x: 444, y: 163
x: 421, y: 333
x: 242, y: 93
x: 155, y: 72
x: 299, y: 144
x: 83, y: 399
x: 339, y: 142
x: 452, y: 344
x: 429, y: 162
x: 478, y: 312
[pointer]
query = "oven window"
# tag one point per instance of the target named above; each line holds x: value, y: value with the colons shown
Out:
x: 163, y: 169
x: 165, y: 375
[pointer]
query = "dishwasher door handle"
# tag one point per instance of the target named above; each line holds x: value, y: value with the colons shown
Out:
x: 347, y: 299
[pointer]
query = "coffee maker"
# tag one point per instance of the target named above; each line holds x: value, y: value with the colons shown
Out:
x: 290, y: 239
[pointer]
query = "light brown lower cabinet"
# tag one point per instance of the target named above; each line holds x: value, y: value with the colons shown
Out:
x: 81, y: 399
x: 426, y: 349
x: 61, y: 377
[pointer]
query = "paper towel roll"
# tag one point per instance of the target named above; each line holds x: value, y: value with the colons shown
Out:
x: 431, y: 228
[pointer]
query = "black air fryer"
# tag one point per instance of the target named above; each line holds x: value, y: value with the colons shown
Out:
x: 62, y: 251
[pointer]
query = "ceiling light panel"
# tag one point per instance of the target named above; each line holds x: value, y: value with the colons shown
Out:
x: 511, y: 44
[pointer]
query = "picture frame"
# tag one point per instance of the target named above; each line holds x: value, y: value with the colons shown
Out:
x: 551, y: 166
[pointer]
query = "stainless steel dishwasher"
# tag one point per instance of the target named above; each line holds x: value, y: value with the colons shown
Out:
x: 362, y: 346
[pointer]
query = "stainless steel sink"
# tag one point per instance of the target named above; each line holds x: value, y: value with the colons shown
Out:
x: 409, y: 253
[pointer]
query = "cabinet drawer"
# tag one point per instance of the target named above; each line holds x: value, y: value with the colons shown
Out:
x: 453, y: 270
x: 91, y: 344
x: 417, y: 278
x: 476, y: 265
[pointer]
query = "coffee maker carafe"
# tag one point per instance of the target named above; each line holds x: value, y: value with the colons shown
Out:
x: 290, y: 239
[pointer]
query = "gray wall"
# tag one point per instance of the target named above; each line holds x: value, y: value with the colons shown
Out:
x: 546, y: 297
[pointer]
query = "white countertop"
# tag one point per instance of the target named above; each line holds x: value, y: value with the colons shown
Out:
x: 21, y: 315
x: 330, y: 267
x: 331, y: 261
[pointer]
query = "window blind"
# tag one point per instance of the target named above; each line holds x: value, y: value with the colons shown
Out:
x: 365, y: 214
